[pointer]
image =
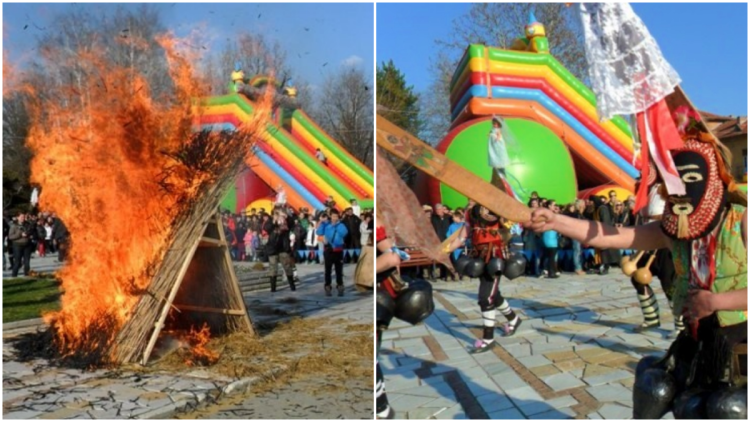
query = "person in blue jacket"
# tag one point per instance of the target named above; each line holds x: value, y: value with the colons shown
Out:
x: 458, y: 223
x: 551, y: 240
x: 333, y: 232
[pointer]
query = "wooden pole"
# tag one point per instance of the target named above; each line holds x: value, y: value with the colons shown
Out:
x: 172, y: 293
x: 235, y: 312
x: 234, y: 282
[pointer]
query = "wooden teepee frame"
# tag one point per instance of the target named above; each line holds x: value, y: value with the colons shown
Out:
x: 219, y: 262
x: 197, y: 280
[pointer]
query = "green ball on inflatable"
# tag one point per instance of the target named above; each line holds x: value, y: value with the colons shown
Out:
x: 539, y: 160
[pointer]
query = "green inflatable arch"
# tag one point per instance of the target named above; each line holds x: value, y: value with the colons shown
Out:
x: 540, y: 161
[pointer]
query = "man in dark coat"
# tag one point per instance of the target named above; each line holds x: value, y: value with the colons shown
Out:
x: 20, y: 237
x: 352, y: 223
x: 279, y: 248
x: 60, y: 237
x: 605, y: 215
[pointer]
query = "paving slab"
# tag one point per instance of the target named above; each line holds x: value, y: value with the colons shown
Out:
x: 40, y: 390
x: 577, y: 335
x: 610, y: 392
x: 615, y: 411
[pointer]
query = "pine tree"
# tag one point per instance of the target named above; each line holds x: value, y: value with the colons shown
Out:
x: 396, y: 101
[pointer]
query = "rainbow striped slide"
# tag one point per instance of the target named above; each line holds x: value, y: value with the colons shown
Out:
x: 536, y: 86
x: 281, y: 159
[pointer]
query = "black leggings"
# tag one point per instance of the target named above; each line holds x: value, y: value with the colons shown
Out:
x: 381, y: 398
x: 489, y: 293
x: 549, y: 255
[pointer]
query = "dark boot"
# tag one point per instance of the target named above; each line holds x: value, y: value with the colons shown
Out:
x: 328, y: 290
x: 340, y: 289
x: 273, y: 284
x: 290, y: 279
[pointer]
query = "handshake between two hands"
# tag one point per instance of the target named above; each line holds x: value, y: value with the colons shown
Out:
x: 542, y: 219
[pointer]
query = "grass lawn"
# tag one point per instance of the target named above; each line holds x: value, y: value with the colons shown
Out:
x: 26, y: 298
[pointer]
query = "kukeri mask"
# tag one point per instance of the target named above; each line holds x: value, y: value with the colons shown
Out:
x: 698, y: 212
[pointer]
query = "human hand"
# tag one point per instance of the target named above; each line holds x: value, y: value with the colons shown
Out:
x: 699, y: 304
x: 542, y: 219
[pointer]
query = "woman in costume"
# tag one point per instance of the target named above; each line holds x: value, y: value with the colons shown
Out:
x: 702, y: 374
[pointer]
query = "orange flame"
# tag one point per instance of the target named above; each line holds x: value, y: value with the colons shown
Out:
x: 105, y: 149
x: 201, y: 356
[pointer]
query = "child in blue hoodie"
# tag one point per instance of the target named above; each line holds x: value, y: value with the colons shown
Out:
x: 456, y: 225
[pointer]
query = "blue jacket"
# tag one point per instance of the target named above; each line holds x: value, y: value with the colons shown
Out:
x: 454, y: 227
x: 551, y: 239
x: 333, y: 233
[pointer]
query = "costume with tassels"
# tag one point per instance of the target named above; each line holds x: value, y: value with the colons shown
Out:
x: 704, y: 374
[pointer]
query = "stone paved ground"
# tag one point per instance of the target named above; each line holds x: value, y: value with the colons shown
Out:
x: 573, y: 357
x: 295, y: 401
x: 37, y: 390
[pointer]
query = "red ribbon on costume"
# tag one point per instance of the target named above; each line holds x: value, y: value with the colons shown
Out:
x: 659, y: 135
x: 379, y: 234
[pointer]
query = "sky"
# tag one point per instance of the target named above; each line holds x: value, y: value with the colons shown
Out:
x: 705, y: 43
x: 313, y: 35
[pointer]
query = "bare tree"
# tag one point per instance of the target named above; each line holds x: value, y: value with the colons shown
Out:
x: 498, y: 24
x: 345, y: 110
x: 124, y: 38
x: 255, y: 54
x: 16, y: 156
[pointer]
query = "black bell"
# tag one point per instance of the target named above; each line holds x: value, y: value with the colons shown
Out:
x: 461, y: 264
x: 475, y: 268
x: 515, y: 266
x: 653, y: 393
x: 415, y: 304
x: 730, y: 403
x: 495, y: 267
x: 691, y: 404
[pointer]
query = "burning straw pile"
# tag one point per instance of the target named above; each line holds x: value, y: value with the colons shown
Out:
x: 122, y: 166
x: 336, y: 349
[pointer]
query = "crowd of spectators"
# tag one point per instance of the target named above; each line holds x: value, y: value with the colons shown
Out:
x: 548, y: 253
x: 27, y: 235
x: 249, y: 233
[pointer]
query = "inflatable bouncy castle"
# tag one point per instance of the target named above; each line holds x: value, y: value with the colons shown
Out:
x: 560, y: 147
x: 285, y: 157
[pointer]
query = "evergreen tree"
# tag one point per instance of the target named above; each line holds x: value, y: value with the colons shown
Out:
x: 396, y: 101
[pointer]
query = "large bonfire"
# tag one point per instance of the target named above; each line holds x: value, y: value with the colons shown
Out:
x: 123, y: 167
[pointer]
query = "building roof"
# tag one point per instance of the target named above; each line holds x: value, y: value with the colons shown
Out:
x: 725, y: 126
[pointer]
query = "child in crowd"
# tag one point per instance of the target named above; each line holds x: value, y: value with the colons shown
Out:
x: 456, y: 225
x: 551, y: 241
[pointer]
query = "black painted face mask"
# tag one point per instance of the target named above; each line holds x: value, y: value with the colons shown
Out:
x: 698, y: 212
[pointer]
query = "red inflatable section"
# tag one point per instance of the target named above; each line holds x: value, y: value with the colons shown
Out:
x: 250, y: 187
